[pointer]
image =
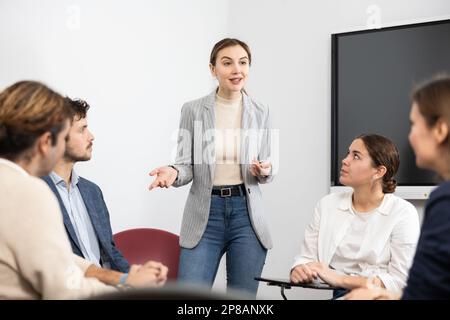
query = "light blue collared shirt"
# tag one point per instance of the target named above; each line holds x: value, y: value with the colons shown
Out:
x: 79, y: 217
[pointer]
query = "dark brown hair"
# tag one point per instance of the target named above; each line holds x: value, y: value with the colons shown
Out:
x: 433, y: 100
x: 78, y: 108
x: 225, y: 43
x: 27, y: 110
x: 383, y: 152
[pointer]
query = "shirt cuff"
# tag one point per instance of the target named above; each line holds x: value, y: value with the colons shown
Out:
x: 389, y: 282
x: 301, y: 260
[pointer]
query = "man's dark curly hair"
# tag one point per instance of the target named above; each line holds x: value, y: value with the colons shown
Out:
x: 78, y: 108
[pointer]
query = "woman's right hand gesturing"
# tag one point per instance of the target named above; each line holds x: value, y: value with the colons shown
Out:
x: 165, y: 177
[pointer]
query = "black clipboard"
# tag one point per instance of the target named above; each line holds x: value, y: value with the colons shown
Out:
x: 287, y: 284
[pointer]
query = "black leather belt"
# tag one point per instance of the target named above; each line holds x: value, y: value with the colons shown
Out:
x: 229, y: 191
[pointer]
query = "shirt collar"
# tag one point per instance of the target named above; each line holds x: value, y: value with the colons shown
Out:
x: 384, y: 208
x: 58, y: 180
x: 13, y: 166
x: 74, y: 178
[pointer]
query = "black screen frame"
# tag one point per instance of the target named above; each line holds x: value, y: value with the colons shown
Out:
x: 335, y: 161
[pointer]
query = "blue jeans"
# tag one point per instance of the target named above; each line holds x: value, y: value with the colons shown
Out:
x: 229, y: 231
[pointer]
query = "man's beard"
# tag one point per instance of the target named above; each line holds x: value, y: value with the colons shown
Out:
x: 72, y: 157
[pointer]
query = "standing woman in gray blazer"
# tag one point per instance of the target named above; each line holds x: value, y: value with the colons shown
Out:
x: 224, y: 149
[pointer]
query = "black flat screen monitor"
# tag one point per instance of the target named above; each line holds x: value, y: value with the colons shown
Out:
x: 373, y: 75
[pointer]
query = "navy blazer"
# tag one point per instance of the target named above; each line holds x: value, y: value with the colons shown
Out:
x: 98, y: 212
x: 429, y: 276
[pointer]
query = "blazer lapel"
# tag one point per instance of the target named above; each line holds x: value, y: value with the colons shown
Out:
x: 66, y: 218
x: 248, y: 148
x: 208, y: 118
x: 91, y: 208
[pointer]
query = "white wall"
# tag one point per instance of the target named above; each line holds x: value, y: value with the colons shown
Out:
x: 137, y: 61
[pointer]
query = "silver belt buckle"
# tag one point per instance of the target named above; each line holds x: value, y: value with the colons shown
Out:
x: 228, y: 194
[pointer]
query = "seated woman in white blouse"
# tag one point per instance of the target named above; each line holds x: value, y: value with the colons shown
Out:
x: 367, y: 234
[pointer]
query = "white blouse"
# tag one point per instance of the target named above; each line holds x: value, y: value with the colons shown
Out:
x: 380, y: 243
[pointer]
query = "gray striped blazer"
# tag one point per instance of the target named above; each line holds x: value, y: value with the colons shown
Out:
x: 195, y: 161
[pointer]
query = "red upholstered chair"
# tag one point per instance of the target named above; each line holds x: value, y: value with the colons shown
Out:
x: 143, y: 244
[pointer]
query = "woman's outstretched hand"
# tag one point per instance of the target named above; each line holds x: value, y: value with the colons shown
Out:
x: 164, y: 177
